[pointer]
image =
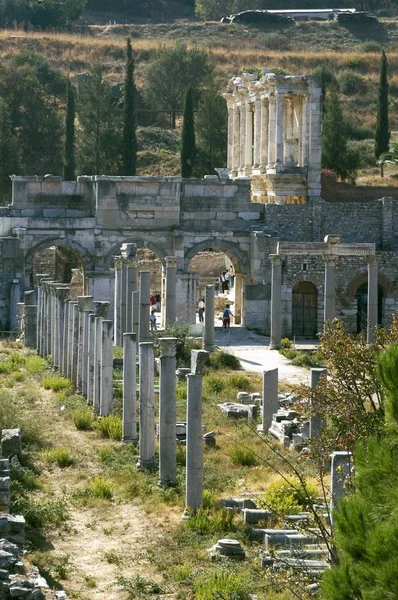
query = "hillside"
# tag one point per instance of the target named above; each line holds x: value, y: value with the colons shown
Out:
x: 354, y: 57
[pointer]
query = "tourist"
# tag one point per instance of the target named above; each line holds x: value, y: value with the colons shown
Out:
x: 231, y: 277
x: 226, y: 317
x: 201, y: 310
x: 224, y: 283
x: 157, y: 299
x: 152, y: 300
x: 152, y: 320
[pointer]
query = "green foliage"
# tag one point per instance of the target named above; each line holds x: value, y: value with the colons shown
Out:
x: 41, y: 514
x: 382, y: 135
x: 224, y: 361
x: 222, y: 585
x: 83, y: 419
x: 99, y: 139
x: 184, y: 345
x: 335, y: 153
x: 9, y: 149
x: 46, y: 14
x: 286, y: 343
x: 34, y: 364
x: 129, y: 147
x: 351, y: 83
x: 60, y: 456
x: 244, y: 457
x: 238, y: 381
x: 52, y: 79
x: 214, y: 384
x: 13, y: 414
x: 205, y: 522
x: 100, y: 488
x: 110, y: 427
x: 138, y: 587
x: 211, y: 123
x: 288, y: 496
x: 69, y: 147
x: 188, y: 149
x: 387, y: 370
x: 170, y: 73
x: 57, y: 566
x: 55, y: 383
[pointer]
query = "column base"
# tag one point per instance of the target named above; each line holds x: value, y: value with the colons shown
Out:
x: 166, y: 484
x: 209, y: 348
x: 130, y: 441
x: 145, y: 465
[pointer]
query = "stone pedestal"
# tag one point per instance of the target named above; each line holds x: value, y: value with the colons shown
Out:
x: 30, y: 320
x: 316, y: 423
x: 208, y: 337
x: 270, y: 398
x: 145, y: 290
x: 276, y: 284
x: 129, y: 388
x: 167, y: 413
x: 147, y: 407
x: 187, y: 285
x: 106, y: 390
x: 171, y: 275
x: 372, y: 298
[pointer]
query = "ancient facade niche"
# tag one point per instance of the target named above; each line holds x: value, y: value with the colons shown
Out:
x: 274, y: 136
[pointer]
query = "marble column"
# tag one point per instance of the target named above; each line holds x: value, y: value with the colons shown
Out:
x: 106, y: 391
x: 236, y: 144
x: 48, y: 319
x: 208, y: 337
x: 30, y: 320
x: 91, y: 354
x: 167, y: 413
x: 249, y: 140
x: 316, y: 422
x: 230, y: 137
x: 194, y: 460
x: 101, y: 311
x: 373, y: 293
x: 271, y: 131
x: 242, y: 149
x: 257, y: 134
x: 65, y: 340
x: 117, y: 308
x: 171, y: 283
x: 279, y: 129
x: 131, y: 287
x: 62, y: 296
x: 276, y: 284
x: 81, y: 302
x: 264, y: 134
x: 330, y: 289
x: 146, y: 458
x: 129, y: 388
x: 270, y: 398
x: 75, y: 343
x: 70, y: 339
x: 135, y: 311
x: 145, y: 291
x: 52, y: 320
x: 15, y: 297
x: 86, y: 306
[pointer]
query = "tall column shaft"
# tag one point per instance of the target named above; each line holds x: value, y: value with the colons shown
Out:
x: 171, y: 283
x: 118, y: 301
x: 249, y: 140
x: 330, y: 289
x: 276, y: 284
x: 30, y: 320
x: 75, y: 342
x: 257, y: 134
x: 145, y: 290
x: 129, y: 388
x: 86, y: 305
x: 279, y: 128
x: 70, y: 339
x: 101, y: 313
x: 135, y: 310
x: 167, y: 413
x: 194, y: 460
x: 242, y: 150
x: 230, y: 138
x: 147, y: 407
x: 236, y: 144
x: 264, y: 134
x: 62, y: 296
x: 316, y: 422
x: 91, y: 357
x: 106, y: 391
x: 272, y: 131
x: 131, y: 287
x: 372, y: 298
x: 208, y: 338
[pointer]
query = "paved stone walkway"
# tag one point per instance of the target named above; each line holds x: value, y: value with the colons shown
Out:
x: 254, y: 354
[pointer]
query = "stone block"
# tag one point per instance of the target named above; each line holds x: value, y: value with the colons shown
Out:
x: 243, y: 398
x: 249, y: 216
x: 252, y: 516
x: 236, y: 411
x: 225, y: 216
x: 4, y: 484
x: 11, y: 442
x: 230, y: 548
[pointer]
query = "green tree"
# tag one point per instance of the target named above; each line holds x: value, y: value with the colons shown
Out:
x: 335, y: 152
x: 211, y: 124
x: 188, y: 150
x: 382, y: 135
x: 99, y: 134
x: 366, y: 522
x: 170, y: 74
x: 9, y: 153
x: 129, y: 150
x: 69, y: 146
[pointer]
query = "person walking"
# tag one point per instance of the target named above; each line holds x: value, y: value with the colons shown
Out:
x: 152, y: 320
x: 201, y: 310
x: 226, y: 317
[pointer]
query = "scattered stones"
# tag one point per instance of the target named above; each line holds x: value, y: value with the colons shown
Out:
x: 252, y: 516
x: 238, y: 411
x: 229, y: 548
x: 11, y: 443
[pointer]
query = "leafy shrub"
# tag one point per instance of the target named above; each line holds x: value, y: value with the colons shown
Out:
x: 243, y: 457
x: 356, y: 62
x: 351, y: 84
x: 222, y: 585
x: 139, y: 587
x: 181, y: 391
x: 42, y: 513
x: 101, y: 488
x: 224, y: 361
x: 6, y: 367
x: 305, y: 359
x: 83, y: 419
x: 203, y: 522
x: 237, y: 381
x: 286, y: 343
x: 181, y: 455
x: 34, y: 364
x: 290, y: 353
x: 214, y: 384
x: 370, y: 46
x: 55, y: 383
x: 110, y: 427
x: 366, y: 152
x: 288, y: 496
x: 61, y: 456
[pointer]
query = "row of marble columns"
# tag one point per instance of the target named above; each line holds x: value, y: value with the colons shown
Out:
x: 263, y: 132
x: 329, y: 296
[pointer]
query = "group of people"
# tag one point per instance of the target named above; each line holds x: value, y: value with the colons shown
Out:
x: 226, y: 314
x: 225, y: 281
x: 154, y: 301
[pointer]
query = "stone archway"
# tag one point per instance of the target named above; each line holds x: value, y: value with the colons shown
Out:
x: 304, y: 310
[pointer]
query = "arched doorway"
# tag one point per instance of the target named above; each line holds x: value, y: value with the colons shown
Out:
x: 361, y: 298
x: 304, y: 310
x: 60, y: 263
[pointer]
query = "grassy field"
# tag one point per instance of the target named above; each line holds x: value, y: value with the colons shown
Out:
x: 100, y: 528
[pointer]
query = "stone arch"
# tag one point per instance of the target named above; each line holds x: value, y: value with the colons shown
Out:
x: 234, y: 253
x: 115, y: 250
x: 361, y: 278
x: 82, y: 254
x: 307, y: 277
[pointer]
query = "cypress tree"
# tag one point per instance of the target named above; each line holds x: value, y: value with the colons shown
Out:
x: 382, y: 136
x: 69, y: 148
x: 188, y: 151
x: 129, y: 151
